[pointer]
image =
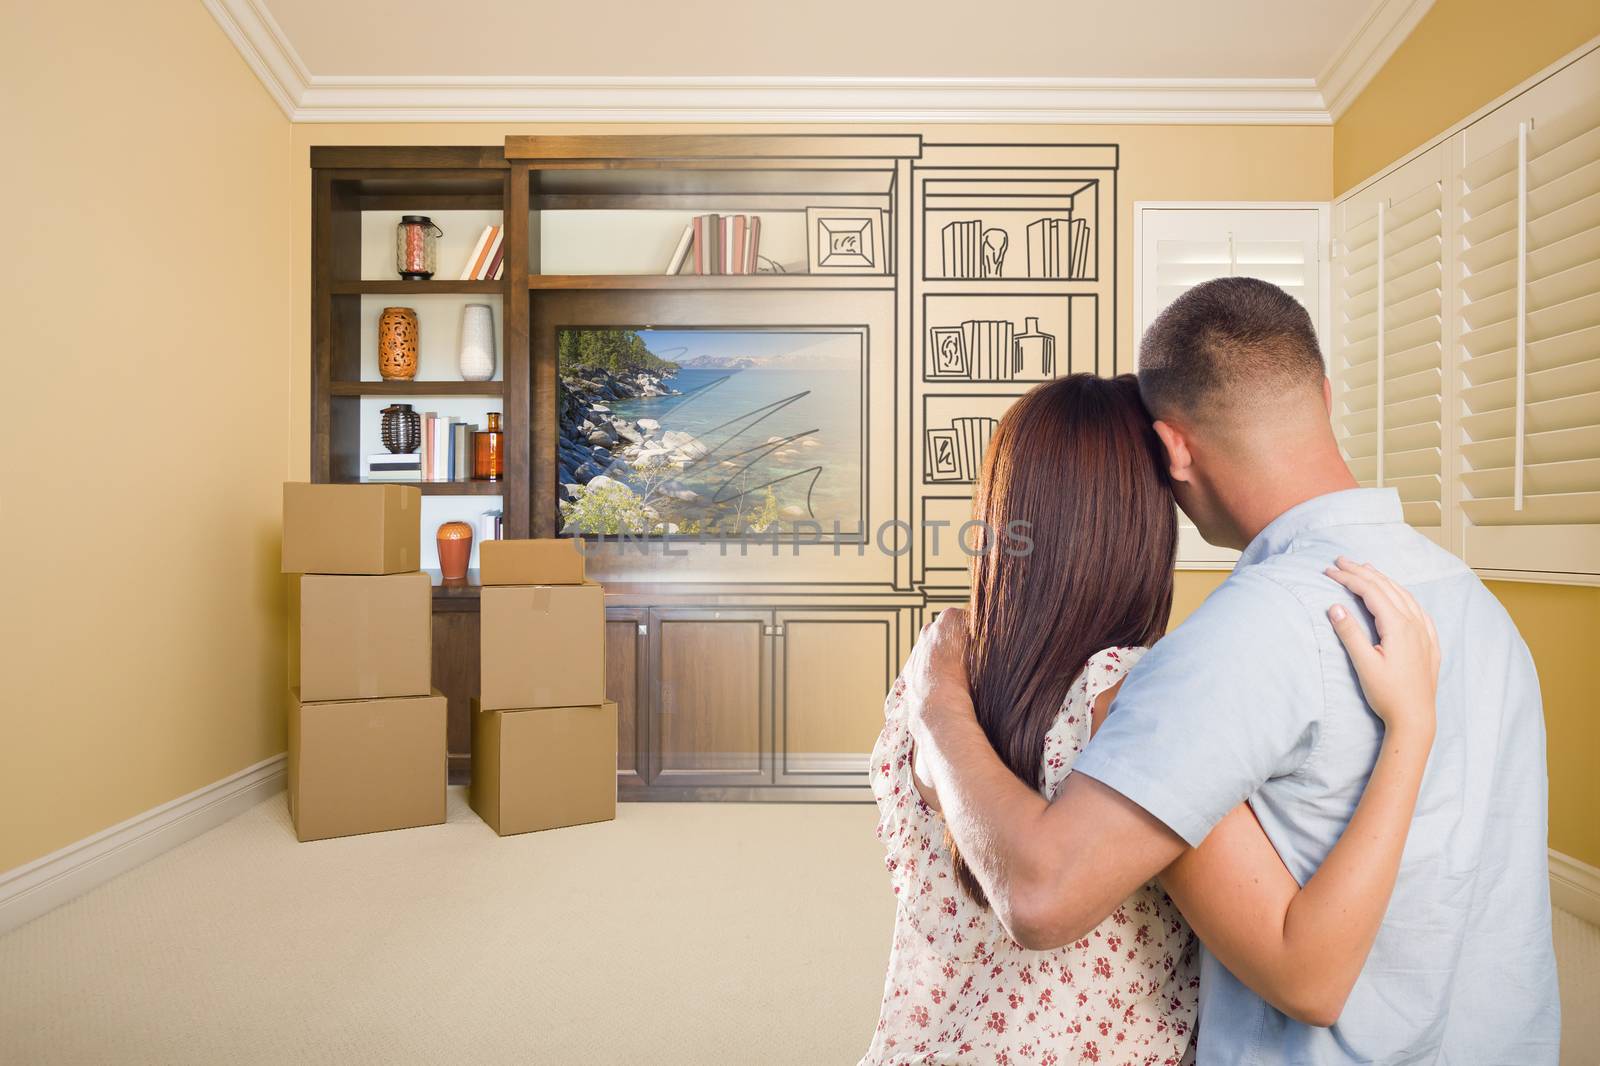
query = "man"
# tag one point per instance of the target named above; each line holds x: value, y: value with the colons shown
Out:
x: 1253, y: 698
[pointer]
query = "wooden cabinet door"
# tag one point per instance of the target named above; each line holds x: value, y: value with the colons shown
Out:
x: 834, y: 668
x: 626, y: 672
x: 711, y: 697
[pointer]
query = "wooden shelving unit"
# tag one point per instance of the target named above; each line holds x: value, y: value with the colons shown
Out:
x: 699, y: 651
x: 417, y: 388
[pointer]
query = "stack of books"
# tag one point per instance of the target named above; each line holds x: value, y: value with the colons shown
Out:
x: 1058, y: 248
x: 390, y: 466
x: 487, y: 261
x: 718, y: 244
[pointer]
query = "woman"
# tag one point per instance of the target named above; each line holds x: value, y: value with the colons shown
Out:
x: 1073, y: 584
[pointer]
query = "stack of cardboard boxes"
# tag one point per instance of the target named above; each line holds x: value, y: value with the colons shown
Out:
x: 544, y: 737
x: 366, y: 727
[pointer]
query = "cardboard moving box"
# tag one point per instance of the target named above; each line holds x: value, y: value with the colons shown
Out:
x: 542, y: 646
x: 363, y: 766
x: 531, y: 562
x: 356, y: 637
x: 544, y: 767
x: 351, y: 529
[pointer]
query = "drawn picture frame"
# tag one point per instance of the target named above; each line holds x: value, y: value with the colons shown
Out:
x: 944, y: 455
x: 845, y: 240
x: 949, y: 358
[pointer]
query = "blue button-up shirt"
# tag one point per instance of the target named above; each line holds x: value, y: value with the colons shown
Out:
x: 1253, y: 697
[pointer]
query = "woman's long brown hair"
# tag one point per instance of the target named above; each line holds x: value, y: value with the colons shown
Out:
x: 1076, y: 469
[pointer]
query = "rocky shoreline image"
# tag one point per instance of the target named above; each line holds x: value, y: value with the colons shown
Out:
x: 755, y: 465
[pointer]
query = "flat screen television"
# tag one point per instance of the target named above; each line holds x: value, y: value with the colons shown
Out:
x: 712, y: 432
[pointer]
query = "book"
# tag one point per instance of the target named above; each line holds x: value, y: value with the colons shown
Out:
x: 738, y: 245
x: 427, y: 445
x: 713, y: 245
x: 480, y: 269
x: 491, y: 526
x: 754, y: 263
x: 681, y: 253
x: 477, y: 250
x: 493, y: 257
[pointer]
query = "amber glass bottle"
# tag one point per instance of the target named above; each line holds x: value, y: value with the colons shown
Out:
x: 489, y: 451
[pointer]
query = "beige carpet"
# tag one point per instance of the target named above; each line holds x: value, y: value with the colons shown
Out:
x: 695, y: 934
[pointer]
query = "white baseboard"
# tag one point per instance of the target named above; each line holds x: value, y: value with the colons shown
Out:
x: 1575, y: 887
x: 44, y: 884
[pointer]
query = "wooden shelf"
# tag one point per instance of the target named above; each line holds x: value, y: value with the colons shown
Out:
x: 417, y: 388
x: 447, y: 488
x: 714, y: 282
x: 417, y: 288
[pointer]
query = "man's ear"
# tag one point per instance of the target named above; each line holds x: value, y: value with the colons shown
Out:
x: 1179, y: 463
x: 1327, y: 395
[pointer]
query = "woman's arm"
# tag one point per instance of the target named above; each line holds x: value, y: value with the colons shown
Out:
x: 1301, y: 949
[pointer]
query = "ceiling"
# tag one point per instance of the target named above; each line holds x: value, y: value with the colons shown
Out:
x: 1022, y: 60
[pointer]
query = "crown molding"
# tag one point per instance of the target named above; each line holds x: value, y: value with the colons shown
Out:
x: 810, y: 99
x: 265, y: 48
x: 1387, y: 25
x: 305, y: 97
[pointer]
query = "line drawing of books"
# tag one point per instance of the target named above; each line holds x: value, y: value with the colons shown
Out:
x: 955, y: 454
x: 1058, y: 248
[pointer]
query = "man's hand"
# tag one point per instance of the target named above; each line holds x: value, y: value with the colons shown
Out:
x: 936, y: 676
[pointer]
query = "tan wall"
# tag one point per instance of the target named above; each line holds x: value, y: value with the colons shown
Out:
x: 1462, y: 55
x: 1559, y: 622
x: 147, y: 293
x: 1158, y: 163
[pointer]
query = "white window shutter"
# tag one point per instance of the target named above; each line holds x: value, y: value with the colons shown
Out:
x: 1529, y: 278
x: 1181, y: 246
x: 1390, y: 338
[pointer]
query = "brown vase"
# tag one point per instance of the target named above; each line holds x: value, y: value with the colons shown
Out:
x: 397, y: 344
x: 455, y: 550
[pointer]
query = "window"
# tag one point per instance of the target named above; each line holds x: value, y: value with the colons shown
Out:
x: 1179, y: 246
x: 1467, y: 311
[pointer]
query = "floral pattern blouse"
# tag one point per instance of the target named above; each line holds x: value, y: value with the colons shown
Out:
x: 960, y: 990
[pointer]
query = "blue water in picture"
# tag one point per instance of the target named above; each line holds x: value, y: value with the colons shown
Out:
x: 806, y: 385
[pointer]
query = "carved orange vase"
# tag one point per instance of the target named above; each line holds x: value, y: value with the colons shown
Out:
x: 455, y: 550
x: 397, y: 344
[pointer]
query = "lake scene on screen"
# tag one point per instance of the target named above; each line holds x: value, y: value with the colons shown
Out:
x: 732, y: 431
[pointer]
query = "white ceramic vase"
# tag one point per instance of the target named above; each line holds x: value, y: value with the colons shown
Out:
x: 476, y: 356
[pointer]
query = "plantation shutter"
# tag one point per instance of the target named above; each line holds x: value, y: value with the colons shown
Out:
x: 1181, y: 247
x: 1390, y: 338
x: 1529, y: 336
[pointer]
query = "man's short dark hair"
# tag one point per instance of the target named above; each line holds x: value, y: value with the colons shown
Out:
x: 1225, y: 345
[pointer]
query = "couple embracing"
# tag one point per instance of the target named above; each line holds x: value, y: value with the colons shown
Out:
x: 1306, y: 826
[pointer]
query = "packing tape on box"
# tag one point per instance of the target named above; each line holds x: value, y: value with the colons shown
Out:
x: 541, y: 599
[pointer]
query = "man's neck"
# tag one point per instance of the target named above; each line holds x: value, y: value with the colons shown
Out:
x: 1278, y: 488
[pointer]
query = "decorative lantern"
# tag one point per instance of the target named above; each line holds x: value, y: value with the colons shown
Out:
x: 416, y: 252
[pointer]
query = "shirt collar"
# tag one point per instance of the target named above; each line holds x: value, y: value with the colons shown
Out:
x: 1348, y: 507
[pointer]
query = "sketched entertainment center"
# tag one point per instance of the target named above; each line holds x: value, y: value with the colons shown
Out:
x: 901, y: 294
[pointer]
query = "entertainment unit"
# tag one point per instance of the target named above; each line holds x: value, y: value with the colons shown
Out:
x: 769, y: 468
